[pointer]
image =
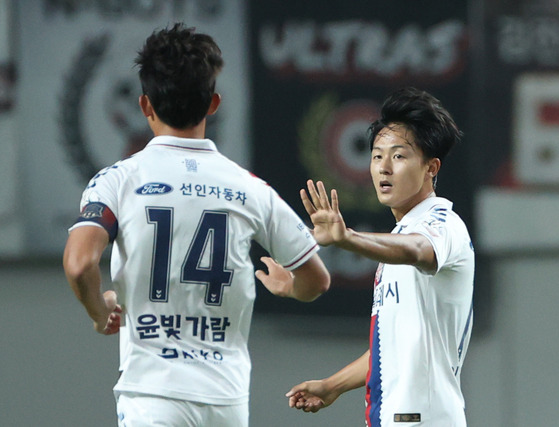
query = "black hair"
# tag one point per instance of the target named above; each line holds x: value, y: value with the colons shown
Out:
x: 433, y: 127
x: 178, y: 71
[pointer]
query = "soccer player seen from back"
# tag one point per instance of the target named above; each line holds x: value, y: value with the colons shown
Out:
x: 181, y: 218
x: 421, y: 316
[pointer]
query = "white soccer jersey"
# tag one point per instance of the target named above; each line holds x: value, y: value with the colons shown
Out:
x: 184, y: 218
x: 421, y: 326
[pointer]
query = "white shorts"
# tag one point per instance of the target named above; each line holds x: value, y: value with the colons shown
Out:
x: 144, y: 410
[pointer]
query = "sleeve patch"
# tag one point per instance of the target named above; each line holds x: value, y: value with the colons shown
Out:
x: 100, y: 213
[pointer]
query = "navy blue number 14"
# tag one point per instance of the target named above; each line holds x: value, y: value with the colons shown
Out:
x: 204, y: 263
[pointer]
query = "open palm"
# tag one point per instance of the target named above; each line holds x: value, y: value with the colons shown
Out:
x: 329, y: 225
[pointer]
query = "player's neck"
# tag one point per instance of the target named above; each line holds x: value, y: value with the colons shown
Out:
x: 195, y: 132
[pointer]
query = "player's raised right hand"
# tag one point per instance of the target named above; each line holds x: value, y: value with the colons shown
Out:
x: 329, y: 225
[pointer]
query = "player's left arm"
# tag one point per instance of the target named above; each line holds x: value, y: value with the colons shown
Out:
x: 82, y: 255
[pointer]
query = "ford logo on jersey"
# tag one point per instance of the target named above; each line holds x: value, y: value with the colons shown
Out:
x: 153, y: 188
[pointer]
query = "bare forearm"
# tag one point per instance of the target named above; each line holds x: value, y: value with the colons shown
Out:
x: 82, y: 254
x: 310, y: 280
x: 409, y: 249
x: 351, y: 377
x: 307, y: 292
x: 87, y: 288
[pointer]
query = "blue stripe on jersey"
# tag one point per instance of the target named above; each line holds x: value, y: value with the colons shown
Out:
x: 439, y: 214
x: 465, y: 333
x: 375, y: 389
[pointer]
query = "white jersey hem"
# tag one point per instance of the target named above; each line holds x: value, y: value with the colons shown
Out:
x: 173, y: 394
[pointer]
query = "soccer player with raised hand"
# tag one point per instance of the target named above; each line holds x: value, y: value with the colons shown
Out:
x: 421, y: 316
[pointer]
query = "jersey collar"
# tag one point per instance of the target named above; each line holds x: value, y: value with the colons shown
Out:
x: 183, y: 143
x: 423, y: 207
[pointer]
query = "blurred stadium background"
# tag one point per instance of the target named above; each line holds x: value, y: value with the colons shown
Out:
x: 302, y: 80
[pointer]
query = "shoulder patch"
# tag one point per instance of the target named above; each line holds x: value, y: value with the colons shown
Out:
x: 100, y: 213
x: 92, y: 211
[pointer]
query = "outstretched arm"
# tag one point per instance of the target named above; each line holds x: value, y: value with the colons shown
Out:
x: 409, y: 249
x: 82, y: 255
x: 311, y: 396
x: 305, y: 283
x: 330, y: 228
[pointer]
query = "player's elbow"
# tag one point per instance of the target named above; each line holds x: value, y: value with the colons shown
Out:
x: 321, y: 286
x: 323, y: 283
x: 311, y: 280
x: 421, y: 255
x: 77, y: 266
x: 83, y: 252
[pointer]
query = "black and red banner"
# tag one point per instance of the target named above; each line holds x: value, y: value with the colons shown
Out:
x: 319, y: 77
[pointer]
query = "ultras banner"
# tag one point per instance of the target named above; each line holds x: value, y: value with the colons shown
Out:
x: 320, y: 73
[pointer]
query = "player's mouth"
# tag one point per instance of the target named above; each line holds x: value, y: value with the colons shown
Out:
x: 385, y: 186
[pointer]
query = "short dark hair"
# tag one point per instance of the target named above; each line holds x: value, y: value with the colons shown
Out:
x: 178, y: 71
x: 433, y: 127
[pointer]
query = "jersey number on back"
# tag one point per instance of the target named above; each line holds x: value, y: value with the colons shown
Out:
x: 204, y: 263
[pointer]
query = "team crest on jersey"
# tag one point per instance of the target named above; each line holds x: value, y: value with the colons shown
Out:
x: 191, y: 165
x: 153, y: 189
x: 433, y: 226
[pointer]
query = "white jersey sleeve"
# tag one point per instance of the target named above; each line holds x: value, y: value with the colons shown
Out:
x: 446, y: 232
x: 283, y: 233
x: 435, y: 228
x: 99, y: 202
x: 103, y: 187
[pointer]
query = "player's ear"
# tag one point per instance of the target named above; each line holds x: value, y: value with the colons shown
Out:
x: 214, y: 105
x: 145, y: 105
x: 434, y: 165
